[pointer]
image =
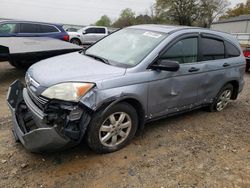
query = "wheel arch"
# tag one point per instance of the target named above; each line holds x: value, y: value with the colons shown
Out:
x: 135, y: 103
x: 75, y: 38
x: 236, y: 86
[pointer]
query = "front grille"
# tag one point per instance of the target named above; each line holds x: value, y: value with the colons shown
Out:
x: 32, y: 86
x: 36, y: 99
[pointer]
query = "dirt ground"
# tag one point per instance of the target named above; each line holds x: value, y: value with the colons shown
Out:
x: 198, y: 149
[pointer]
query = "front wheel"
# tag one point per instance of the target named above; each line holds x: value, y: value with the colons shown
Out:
x: 113, y: 130
x: 222, y: 99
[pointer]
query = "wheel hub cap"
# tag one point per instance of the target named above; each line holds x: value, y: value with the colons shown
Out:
x: 223, y: 100
x: 115, y: 129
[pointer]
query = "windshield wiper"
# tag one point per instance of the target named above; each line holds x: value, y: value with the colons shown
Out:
x: 98, y: 58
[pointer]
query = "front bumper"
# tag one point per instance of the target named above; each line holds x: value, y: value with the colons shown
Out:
x: 39, y: 131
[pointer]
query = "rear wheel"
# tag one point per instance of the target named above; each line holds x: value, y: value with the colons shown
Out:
x: 75, y: 41
x: 248, y: 66
x: 113, y: 130
x: 222, y: 99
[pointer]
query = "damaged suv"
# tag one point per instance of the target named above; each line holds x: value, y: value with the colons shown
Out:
x: 109, y: 91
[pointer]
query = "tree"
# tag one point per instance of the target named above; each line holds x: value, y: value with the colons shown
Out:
x: 210, y: 10
x: 143, y: 19
x: 182, y: 12
x: 127, y: 18
x: 240, y: 9
x: 190, y: 12
x: 104, y: 21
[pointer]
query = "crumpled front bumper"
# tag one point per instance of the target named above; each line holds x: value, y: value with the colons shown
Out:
x: 45, y: 136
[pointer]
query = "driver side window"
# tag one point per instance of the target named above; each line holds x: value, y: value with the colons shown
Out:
x: 184, y: 51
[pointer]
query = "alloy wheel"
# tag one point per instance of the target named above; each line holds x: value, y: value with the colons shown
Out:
x: 223, y: 100
x: 115, y: 129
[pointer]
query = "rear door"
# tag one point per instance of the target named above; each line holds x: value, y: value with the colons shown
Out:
x: 94, y: 34
x: 89, y: 35
x: 28, y: 30
x: 100, y: 33
x: 213, y: 54
x: 50, y: 31
x: 170, y: 92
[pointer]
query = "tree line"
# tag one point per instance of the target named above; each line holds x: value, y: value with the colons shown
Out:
x: 200, y: 13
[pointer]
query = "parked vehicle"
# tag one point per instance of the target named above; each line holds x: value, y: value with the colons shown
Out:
x: 22, y: 52
x: 88, y: 35
x: 247, y: 55
x: 13, y: 28
x: 71, y: 29
x: 135, y: 75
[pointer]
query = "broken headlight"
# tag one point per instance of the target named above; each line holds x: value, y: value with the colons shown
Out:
x: 68, y: 91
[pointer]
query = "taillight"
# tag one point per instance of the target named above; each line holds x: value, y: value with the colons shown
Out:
x: 247, y: 53
x: 66, y: 38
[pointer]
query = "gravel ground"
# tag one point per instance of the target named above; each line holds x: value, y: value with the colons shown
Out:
x: 197, y: 149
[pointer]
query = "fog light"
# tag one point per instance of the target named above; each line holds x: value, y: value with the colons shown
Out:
x: 75, y: 114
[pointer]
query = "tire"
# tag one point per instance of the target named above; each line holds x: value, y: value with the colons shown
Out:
x: 76, y: 41
x: 247, y: 65
x: 227, y: 92
x: 101, y: 128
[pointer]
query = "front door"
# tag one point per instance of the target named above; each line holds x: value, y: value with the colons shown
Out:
x: 170, y: 92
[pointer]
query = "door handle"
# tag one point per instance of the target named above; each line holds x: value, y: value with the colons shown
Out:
x: 193, y: 69
x: 226, y: 65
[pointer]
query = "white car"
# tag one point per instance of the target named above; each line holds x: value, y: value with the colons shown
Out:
x: 88, y: 35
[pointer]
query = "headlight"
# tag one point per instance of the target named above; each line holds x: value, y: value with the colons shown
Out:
x: 68, y: 91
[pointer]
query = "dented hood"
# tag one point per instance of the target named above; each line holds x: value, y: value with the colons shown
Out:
x: 73, y: 67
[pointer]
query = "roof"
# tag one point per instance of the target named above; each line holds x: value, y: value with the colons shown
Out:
x: 235, y: 19
x: 23, y: 21
x: 162, y: 28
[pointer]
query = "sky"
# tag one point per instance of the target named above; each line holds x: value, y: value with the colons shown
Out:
x: 79, y: 12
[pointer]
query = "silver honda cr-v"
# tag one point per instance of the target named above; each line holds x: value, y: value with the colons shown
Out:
x: 109, y: 91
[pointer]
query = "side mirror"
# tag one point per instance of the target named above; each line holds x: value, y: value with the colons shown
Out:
x: 84, y: 32
x: 166, y: 65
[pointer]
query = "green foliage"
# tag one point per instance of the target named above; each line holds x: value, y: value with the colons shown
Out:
x: 181, y: 12
x: 127, y: 18
x: 240, y: 9
x: 104, y: 21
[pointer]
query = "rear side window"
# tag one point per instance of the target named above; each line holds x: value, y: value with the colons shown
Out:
x: 232, y: 51
x: 48, y: 29
x: 8, y: 28
x: 184, y: 51
x: 29, y: 28
x: 212, y: 49
x: 100, y: 30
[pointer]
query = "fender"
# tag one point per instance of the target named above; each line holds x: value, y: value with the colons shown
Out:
x: 107, y: 104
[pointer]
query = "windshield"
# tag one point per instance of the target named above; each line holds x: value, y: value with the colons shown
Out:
x: 127, y: 47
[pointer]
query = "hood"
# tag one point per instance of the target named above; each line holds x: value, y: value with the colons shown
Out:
x: 72, y: 67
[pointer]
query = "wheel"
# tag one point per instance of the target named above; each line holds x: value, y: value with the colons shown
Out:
x: 248, y: 66
x: 113, y: 130
x: 75, y: 41
x: 222, y: 99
